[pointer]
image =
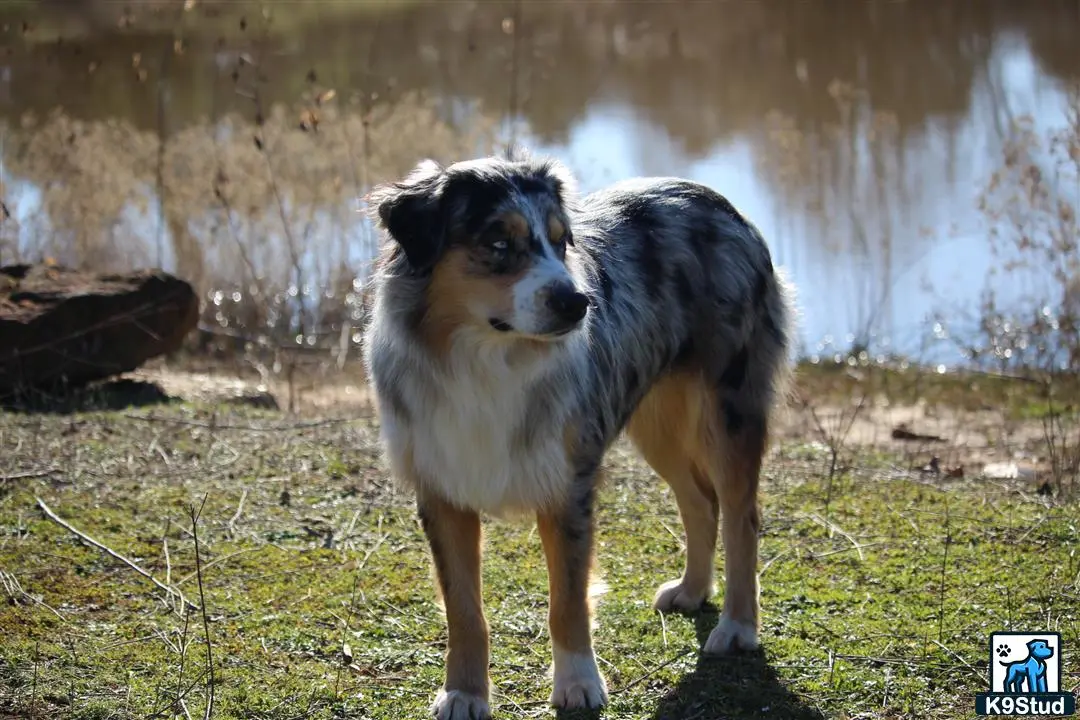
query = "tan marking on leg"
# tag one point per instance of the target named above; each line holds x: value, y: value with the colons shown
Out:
x: 736, y: 472
x: 740, y: 461
x: 567, y: 542
x: 568, y: 580
x: 455, y: 537
x: 668, y: 430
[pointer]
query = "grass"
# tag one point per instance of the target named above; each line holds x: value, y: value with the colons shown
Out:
x: 319, y: 601
x: 1014, y: 397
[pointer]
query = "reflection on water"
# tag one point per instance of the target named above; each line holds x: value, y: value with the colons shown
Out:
x: 858, y: 139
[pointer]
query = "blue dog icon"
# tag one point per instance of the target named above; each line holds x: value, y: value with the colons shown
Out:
x: 1031, y: 669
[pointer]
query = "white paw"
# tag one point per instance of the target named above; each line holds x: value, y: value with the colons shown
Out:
x: 459, y: 705
x: 731, y: 635
x: 578, y: 682
x: 673, y: 596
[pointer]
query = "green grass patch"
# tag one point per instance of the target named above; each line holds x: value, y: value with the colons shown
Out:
x: 320, y: 601
x: 1015, y: 397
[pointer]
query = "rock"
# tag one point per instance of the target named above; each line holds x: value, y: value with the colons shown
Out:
x: 64, y: 328
x: 1001, y: 471
x: 1008, y: 471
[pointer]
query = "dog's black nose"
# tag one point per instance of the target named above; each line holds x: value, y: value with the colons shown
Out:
x: 568, y: 303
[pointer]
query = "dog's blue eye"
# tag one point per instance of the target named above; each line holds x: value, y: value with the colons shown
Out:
x: 500, y: 245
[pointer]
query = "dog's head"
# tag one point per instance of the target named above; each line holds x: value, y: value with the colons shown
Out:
x: 493, y: 236
x: 1040, y: 649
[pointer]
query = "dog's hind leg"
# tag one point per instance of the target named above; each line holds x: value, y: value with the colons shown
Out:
x: 738, y: 466
x: 738, y: 436
x: 664, y: 429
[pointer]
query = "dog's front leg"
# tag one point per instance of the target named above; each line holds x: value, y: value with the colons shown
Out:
x: 566, y: 534
x: 454, y: 536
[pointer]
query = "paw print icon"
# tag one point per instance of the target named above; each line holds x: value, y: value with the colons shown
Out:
x: 1002, y: 650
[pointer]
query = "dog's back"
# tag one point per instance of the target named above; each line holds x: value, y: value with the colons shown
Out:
x: 681, y: 281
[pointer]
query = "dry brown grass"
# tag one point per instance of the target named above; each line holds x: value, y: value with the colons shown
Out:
x: 264, y: 218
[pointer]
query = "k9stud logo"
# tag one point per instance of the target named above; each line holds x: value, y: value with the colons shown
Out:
x: 1025, y: 676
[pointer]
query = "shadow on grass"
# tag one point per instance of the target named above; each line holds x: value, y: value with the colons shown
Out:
x: 110, y: 395
x: 733, y: 688
x: 736, y: 687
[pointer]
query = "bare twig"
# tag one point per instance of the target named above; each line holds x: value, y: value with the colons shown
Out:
x: 202, y: 602
x: 236, y: 515
x: 658, y: 668
x: 976, y: 673
x: 15, y: 590
x: 128, y: 316
x: 165, y: 549
x: 44, y: 472
x: 857, y: 548
x: 834, y: 528
x: 212, y: 563
x: 250, y: 429
x: 179, y: 700
x: 183, y: 661
x: 220, y: 180
x: 346, y: 652
x: 247, y: 428
x: 170, y: 591
x: 275, y: 189
x: 378, y: 544
x: 944, y: 568
x: 511, y: 140
x: 33, y: 687
x: 768, y: 563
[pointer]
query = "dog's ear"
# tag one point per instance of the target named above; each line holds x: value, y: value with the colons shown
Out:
x: 411, y: 212
x: 561, y: 182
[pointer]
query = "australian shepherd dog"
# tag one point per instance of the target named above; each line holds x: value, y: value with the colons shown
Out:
x: 516, y: 331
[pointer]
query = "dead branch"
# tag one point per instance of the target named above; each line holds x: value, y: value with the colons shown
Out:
x: 212, y: 563
x: 195, y: 514
x: 15, y: 591
x: 248, y: 428
x: 44, y: 472
x: 170, y: 591
x: 236, y: 515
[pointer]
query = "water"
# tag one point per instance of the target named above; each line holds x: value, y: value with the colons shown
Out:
x: 858, y: 140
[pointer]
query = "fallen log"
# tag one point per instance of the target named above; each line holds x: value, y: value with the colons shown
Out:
x: 65, y: 328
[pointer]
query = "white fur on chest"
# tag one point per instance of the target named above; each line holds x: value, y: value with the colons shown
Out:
x: 465, y: 438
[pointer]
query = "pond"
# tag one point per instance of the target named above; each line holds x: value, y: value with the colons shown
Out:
x: 232, y: 142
